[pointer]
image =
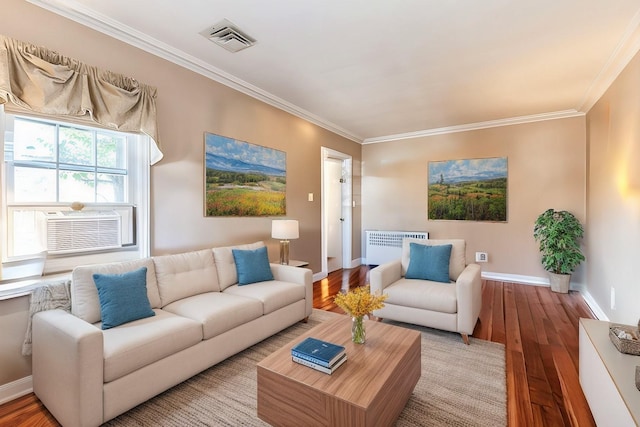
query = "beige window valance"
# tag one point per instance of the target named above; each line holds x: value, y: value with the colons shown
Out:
x: 37, y: 79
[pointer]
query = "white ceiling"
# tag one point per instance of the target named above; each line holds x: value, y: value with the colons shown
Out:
x: 379, y: 70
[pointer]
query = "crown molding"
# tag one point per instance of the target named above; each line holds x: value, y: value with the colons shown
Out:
x: 628, y: 46
x: 475, y: 126
x: 79, y: 13
x: 624, y: 52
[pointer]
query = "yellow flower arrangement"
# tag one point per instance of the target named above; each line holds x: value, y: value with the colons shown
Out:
x: 360, y: 301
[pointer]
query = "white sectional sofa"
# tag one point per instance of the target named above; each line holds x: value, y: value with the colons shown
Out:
x: 86, y: 376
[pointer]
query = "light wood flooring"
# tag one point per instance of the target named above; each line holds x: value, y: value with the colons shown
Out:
x: 539, y: 329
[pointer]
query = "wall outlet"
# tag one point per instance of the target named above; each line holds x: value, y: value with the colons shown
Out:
x: 613, y: 298
x: 482, y: 257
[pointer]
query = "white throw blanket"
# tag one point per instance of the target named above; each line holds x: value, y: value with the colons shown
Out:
x: 47, y: 297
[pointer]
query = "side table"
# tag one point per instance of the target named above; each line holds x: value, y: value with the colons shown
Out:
x: 297, y: 263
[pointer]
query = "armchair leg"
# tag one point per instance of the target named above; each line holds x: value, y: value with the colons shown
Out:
x: 465, y: 338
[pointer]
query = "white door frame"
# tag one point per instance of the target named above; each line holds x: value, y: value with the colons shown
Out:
x: 347, y: 197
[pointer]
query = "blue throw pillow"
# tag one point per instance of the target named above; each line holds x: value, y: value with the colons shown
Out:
x: 429, y: 262
x: 123, y: 297
x: 252, y: 265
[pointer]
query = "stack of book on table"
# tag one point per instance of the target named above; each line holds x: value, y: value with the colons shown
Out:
x: 320, y: 355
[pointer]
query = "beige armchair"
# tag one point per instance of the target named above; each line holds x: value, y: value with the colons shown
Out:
x: 453, y: 306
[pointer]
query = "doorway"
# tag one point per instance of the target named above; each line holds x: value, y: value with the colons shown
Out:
x: 336, y: 210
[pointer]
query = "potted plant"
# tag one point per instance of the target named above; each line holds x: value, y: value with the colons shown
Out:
x: 558, y: 233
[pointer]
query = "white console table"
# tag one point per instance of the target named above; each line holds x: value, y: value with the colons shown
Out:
x: 607, y: 377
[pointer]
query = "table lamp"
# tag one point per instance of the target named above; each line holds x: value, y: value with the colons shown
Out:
x: 284, y: 229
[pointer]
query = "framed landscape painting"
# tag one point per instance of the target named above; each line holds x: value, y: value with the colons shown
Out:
x: 468, y: 190
x: 243, y: 179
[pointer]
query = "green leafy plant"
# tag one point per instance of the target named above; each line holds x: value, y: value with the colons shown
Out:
x: 558, y: 233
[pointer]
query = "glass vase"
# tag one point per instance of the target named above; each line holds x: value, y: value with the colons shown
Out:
x: 358, y: 332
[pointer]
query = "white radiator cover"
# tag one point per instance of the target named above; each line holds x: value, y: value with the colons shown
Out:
x: 385, y: 246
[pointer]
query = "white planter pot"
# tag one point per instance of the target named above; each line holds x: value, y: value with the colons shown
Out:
x: 559, y: 282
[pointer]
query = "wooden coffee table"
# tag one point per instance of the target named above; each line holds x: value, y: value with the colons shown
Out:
x: 371, y: 388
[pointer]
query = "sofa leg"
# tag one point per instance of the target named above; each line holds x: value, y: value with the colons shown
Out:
x: 465, y: 338
x: 378, y: 319
x: 305, y: 320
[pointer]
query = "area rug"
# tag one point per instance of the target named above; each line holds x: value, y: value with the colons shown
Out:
x: 461, y: 385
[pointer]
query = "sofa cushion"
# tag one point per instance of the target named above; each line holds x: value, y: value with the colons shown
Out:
x: 423, y: 294
x: 183, y: 275
x: 429, y: 262
x: 217, y: 312
x: 137, y: 344
x: 84, y: 294
x: 123, y: 297
x: 457, y: 261
x: 273, y: 294
x: 252, y: 265
x: 225, y: 264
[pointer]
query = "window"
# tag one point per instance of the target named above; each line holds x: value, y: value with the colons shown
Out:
x: 50, y: 164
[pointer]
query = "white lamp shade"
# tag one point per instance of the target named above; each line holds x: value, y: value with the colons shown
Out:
x: 284, y: 229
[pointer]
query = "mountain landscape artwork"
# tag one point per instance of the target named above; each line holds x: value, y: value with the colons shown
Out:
x: 243, y: 179
x: 469, y: 190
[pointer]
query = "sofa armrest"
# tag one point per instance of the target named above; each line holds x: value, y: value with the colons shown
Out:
x: 383, y: 275
x: 289, y: 273
x: 469, y: 292
x: 68, y: 367
x: 302, y: 276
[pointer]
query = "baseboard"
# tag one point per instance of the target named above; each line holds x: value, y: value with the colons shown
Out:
x: 542, y: 281
x: 593, y: 305
x: 319, y: 276
x: 15, y: 389
x: 515, y: 278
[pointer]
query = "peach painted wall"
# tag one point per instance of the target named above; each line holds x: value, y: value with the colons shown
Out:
x: 613, y: 201
x: 188, y: 105
x: 546, y: 169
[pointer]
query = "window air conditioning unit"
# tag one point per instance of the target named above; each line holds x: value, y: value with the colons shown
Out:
x: 72, y: 232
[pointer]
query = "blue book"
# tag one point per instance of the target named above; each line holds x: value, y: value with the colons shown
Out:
x: 317, y: 351
x: 326, y: 370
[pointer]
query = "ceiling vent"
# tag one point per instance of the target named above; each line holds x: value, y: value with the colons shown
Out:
x: 227, y: 34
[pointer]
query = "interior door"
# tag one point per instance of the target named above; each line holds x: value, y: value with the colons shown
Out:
x: 333, y: 213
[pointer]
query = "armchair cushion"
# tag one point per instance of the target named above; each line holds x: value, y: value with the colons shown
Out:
x: 457, y: 262
x: 424, y: 295
x: 429, y: 262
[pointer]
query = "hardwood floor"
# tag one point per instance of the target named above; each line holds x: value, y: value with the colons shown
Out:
x: 26, y: 411
x: 539, y: 329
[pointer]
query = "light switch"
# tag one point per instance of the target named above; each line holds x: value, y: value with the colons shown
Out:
x: 311, y: 197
